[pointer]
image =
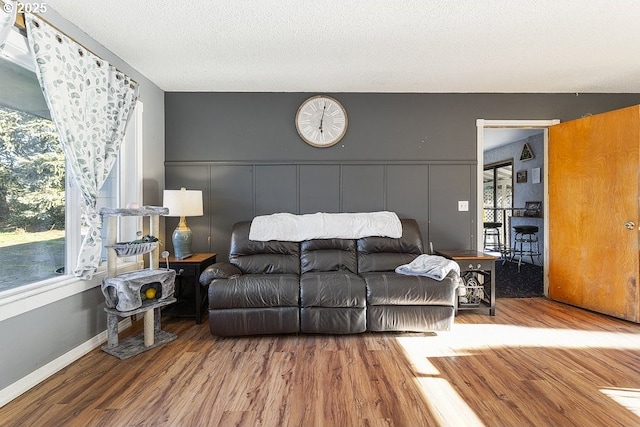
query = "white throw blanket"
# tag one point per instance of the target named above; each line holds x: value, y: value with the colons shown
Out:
x: 297, y: 228
x: 435, y: 267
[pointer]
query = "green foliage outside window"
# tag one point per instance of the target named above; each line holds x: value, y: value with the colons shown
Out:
x: 32, y: 173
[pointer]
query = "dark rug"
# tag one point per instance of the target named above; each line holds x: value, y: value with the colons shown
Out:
x: 513, y: 284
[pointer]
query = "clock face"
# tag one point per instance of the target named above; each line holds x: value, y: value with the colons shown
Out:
x: 321, y: 121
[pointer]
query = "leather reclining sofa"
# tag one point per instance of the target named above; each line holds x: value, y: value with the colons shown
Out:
x: 325, y: 286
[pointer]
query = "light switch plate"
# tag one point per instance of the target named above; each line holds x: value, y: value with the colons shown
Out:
x: 463, y: 205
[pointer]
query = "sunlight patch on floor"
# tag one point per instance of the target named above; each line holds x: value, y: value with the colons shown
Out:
x: 415, y: 352
x: 444, y: 402
x: 446, y: 405
x: 465, y: 338
x: 627, y: 397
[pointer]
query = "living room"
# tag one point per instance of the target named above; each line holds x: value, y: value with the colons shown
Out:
x: 408, y: 150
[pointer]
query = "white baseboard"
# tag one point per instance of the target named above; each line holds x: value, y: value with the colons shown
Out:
x: 36, y: 377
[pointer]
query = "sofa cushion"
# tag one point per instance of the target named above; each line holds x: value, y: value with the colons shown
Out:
x: 385, y: 254
x: 326, y: 320
x: 254, y: 257
x: 414, y: 318
x: 332, y: 289
x: 328, y: 255
x: 255, y: 290
x: 397, y: 289
x: 254, y: 321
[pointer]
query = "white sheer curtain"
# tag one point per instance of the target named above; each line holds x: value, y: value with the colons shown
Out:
x: 90, y: 103
x: 7, y: 19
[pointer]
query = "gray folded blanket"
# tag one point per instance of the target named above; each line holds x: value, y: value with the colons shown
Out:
x: 435, y: 267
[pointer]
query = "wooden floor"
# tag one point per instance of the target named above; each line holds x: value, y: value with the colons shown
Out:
x: 536, y: 363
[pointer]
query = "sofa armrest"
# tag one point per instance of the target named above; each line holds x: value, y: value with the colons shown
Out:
x: 219, y: 270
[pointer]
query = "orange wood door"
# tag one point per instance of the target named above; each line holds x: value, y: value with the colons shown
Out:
x: 593, y: 192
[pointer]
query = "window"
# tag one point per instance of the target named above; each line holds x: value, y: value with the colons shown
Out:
x: 32, y: 199
x: 497, y: 190
x: 40, y: 227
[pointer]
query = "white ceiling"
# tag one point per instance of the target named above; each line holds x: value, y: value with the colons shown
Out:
x: 541, y: 46
x: 496, y: 137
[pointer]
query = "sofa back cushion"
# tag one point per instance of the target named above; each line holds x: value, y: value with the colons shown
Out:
x: 328, y: 255
x: 385, y: 254
x: 253, y: 257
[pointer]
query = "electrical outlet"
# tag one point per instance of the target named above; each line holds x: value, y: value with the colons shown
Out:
x: 463, y: 205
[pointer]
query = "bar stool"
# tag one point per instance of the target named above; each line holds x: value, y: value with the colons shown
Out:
x: 491, y: 236
x: 525, y: 243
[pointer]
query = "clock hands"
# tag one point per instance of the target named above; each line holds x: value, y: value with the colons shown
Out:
x: 324, y: 107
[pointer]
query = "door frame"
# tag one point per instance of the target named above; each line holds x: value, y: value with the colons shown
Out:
x: 481, y: 125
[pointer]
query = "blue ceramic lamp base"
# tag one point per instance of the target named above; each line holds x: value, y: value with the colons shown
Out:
x: 182, y: 239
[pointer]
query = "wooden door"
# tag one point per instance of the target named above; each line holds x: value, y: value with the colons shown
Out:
x: 593, y: 193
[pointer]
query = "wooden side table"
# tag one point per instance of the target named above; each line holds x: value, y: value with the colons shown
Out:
x: 188, y: 272
x: 483, y: 265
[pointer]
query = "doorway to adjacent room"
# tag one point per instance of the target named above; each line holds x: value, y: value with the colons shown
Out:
x: 509, y: 200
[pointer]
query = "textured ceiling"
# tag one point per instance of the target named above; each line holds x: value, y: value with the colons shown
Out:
x: 538, y: 46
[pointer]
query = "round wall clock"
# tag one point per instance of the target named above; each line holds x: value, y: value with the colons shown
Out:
x: 321, y: 121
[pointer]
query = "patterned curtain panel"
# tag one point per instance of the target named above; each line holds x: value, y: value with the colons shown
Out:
x: 7, y: 19
x: 90, y: 103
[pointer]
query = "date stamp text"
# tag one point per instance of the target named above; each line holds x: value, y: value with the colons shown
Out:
x: 10, y: 6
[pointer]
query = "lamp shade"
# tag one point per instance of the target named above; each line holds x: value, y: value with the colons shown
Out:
x: 183, y: 202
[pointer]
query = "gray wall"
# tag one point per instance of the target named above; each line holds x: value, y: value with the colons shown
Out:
x: 33, y: 339
x: 528, y: 191
x: 413, y: 153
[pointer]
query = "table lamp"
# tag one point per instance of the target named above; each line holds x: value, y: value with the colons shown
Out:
x: 183, y: 203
